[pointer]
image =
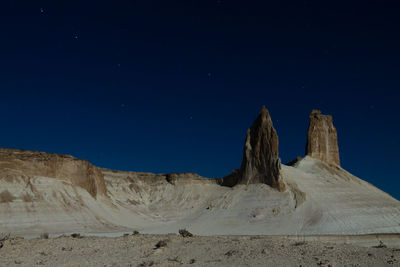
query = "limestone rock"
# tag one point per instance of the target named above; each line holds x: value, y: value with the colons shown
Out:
x: 67, y: 168
x: 322, y: 141
x: 231, y: 179
x: 261, y: 163
x: 187, y: 178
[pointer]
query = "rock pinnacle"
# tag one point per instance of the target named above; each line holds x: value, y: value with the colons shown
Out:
x: 261, y: 162
x: 322, y: 140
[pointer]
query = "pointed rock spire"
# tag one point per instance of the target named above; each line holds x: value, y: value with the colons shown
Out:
x: 322, y: 141
x: 261, y: 163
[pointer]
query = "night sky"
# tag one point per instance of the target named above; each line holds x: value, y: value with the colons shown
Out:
x: 173, y: 86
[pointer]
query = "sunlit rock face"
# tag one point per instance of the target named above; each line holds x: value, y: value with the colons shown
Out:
x: 63, y: 167
x: 261, y: 162
x: 322, y: 140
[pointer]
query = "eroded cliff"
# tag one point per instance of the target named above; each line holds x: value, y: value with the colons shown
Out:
x: 64, y: 167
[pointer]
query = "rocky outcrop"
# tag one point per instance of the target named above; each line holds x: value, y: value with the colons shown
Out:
x: 322, y: 141
x: 187, y: 178
x: 261, y: 162
x: 231, y: 179
x: 67, y: 168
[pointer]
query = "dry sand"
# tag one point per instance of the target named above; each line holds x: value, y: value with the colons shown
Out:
x: 141, y: 250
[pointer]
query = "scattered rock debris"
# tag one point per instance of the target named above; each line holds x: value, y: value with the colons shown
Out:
x: 265, y: 251
x: 175, y: 259
x: 144, y: 264
x: 231, y: 253
x: 173, y: 250
x: 323, y: 262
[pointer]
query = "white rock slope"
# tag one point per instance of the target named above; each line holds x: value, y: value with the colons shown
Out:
x: 320, y: 199
x: 41, y: 192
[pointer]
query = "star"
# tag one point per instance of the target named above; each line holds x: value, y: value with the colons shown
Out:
x: 76, y: 36
x: 42, y: 10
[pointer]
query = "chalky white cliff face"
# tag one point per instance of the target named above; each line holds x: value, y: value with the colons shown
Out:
x: 42, y: 192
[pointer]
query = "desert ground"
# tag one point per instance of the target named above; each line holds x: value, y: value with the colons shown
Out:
x: 175, y: 250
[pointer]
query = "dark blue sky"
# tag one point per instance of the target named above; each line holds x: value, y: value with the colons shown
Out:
x: 172, y: 86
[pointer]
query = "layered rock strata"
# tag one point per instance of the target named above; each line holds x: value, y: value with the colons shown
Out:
x: 322, y: 140
x: 67, y: 168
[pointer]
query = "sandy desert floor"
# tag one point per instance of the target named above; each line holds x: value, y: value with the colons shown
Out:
x: 175, y: 250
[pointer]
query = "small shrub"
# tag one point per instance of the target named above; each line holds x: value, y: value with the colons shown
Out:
x: 299, y: 243
x: 144, y: 264
x: 381, y: 245
x: 75, y: 235
x: 185, y: 233
x: 231, y: 253
x: 4, y: 237
x: 161, y: 243
x: 44, y: 236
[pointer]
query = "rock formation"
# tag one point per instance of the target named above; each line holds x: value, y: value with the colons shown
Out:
x: 187, y: 179
x: 261, y: 163
x: 322, y: 142
x: 67, y: 168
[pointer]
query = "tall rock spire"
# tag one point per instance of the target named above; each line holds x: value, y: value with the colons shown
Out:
x: 261, y: 163
x: 322, y: 141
